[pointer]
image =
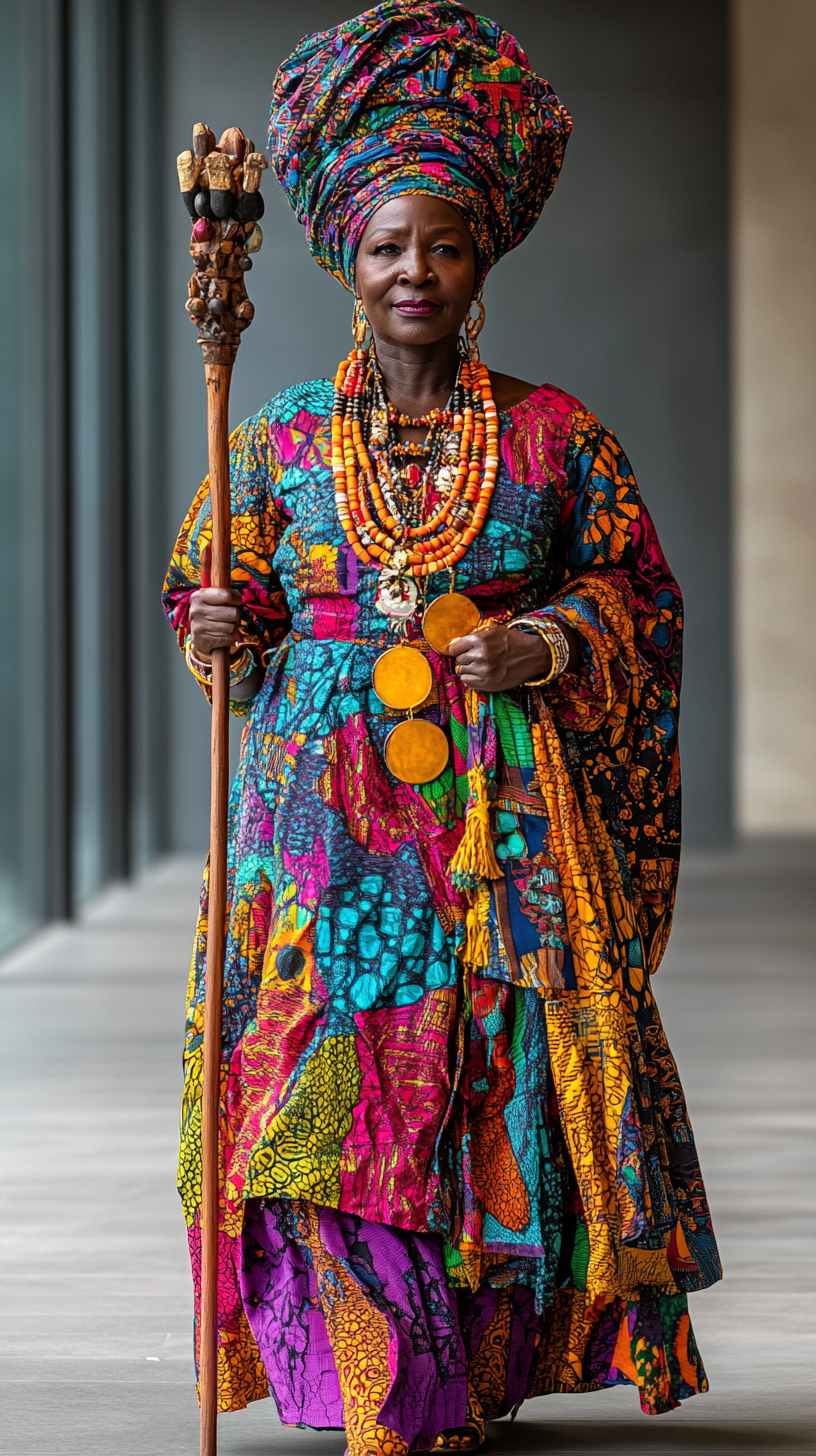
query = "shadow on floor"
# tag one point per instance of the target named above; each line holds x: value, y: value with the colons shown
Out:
x: 551, y: 1438
x: 652, y: 1435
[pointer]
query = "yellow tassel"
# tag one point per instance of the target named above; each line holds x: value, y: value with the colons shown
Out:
x: 477, y: 940
x: 475, y: 860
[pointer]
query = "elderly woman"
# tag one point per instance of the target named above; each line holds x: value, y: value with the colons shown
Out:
x: 459, y: 1170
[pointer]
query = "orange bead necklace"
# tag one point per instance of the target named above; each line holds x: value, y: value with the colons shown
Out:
x: 465, y: 481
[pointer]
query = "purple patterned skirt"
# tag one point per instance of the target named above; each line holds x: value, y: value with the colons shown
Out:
x: 497, y: 1338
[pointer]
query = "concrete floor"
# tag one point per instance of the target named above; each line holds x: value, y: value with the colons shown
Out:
x: 95, y: 1295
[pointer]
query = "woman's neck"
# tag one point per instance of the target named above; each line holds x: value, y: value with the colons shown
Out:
x: 418, y: 378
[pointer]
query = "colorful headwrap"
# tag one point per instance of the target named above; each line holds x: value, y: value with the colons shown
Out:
x: 414, y: 98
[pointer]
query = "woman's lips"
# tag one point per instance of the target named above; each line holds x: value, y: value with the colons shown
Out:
x: 416, y: 308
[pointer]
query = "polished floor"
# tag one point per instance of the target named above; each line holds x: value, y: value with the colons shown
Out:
x: 94, y: 1288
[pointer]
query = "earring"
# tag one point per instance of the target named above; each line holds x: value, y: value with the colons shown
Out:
x: 473, y: 328
x: 359, y: 324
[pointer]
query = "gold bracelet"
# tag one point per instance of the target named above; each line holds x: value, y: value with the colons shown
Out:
x: 202, y: 671
x: 555, y: 639
x: 243, y: 665
x: 240, y: 667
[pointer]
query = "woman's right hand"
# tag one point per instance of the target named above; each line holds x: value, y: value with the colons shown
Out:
x: 214, y: 618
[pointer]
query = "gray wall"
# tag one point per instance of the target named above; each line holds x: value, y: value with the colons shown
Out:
x: 115, y: 345
x: 82, y: 497
x: 619, y: 296
x: 774, y: 292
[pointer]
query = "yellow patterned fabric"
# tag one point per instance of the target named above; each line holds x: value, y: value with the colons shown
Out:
x: 360, y: 1340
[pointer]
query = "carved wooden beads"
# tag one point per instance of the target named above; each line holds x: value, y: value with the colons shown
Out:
x: 221, y: 181
x: 219, y: 186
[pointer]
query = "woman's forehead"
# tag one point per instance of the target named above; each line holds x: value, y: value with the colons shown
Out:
x: 416, y: 209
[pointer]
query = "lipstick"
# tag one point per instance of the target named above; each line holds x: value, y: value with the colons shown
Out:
x: 416, y: 307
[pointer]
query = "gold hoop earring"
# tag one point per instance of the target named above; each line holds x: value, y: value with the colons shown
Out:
x: 473, y: 328
x: 359, y: 324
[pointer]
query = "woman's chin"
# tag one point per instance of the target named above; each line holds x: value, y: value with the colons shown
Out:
x: 418, y: 332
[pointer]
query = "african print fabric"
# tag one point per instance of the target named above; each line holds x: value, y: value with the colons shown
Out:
x: 358, y: 1326
x: 428, y: 98
x: 529, y: 1116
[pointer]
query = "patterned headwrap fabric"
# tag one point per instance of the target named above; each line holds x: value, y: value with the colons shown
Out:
x: 414, y: 98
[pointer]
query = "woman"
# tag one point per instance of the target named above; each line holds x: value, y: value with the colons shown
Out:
x: 458, y: 1166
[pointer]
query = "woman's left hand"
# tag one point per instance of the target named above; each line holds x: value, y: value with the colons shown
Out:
x: 497, y: 659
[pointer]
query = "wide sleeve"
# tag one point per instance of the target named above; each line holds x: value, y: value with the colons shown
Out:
x: 258, y: 521
x: 609, y: 581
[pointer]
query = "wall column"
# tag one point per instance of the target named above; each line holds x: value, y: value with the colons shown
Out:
x: 775, y: 405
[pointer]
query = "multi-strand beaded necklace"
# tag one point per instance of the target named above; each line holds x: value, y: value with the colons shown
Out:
x: 404, y: 483
x: 463, y: 459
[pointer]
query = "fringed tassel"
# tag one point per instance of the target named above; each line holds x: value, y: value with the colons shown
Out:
x: 473, y: 866
x: 477, y: 939
x: 475, y: 860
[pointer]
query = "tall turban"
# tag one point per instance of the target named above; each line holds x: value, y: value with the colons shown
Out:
x: 414, y: 98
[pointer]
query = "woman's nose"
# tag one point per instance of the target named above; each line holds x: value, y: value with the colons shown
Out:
x: 416, y: 268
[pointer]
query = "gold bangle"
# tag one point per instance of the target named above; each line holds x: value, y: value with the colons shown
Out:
x: 243, y: 665
x: 240, y: 666
x: 555, y: 639
x: 202, y: 671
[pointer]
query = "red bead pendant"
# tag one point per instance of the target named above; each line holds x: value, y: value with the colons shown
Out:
x: 413, y: 475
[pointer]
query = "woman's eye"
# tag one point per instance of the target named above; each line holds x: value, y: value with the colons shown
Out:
x: 386, y: 248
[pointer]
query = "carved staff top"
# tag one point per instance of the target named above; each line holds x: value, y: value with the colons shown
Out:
x: 220, y: 186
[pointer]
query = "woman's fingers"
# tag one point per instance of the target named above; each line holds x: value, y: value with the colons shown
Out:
x: 214, y: 596
x: 479, y: 677
x: 214, y: 618
x: 215, y: 614
x: 212, y: 604
x: 207, y: 639
x: 479, y: 652
x: 494, y: 659
x: 476, y: 673
x: 475, y: 644
x: 456, y: 648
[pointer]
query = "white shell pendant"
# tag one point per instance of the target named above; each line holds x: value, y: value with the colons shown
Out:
x: 396, y: 596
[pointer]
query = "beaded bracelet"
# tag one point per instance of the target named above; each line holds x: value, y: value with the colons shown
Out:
x: 555, y: 639
x: 240, y: 667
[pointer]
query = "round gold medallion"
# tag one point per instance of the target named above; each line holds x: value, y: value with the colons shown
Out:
x: 453, y: 615
x: 416, y: 751
x: 402, y: 678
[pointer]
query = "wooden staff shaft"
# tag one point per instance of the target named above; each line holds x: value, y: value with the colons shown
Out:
x: 218, y: 383
x: 219, y: 185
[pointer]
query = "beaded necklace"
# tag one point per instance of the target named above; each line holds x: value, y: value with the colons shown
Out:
x: 405, y: 485
x: 415, y: 422
x: 376, y: 524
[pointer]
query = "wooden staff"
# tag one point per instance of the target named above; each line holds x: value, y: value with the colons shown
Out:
x: 219, y: 185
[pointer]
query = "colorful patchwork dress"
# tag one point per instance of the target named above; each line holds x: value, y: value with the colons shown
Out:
x: 488, y: 1161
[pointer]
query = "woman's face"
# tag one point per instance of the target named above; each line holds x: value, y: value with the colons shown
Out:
x: 415, y: 270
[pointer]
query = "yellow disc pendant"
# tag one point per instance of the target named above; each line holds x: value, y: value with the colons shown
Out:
x: 447, y: 617
x: 416, y: 751
x: 402, y: 678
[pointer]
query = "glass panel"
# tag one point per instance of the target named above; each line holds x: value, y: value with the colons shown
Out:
x: 15, y: 917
